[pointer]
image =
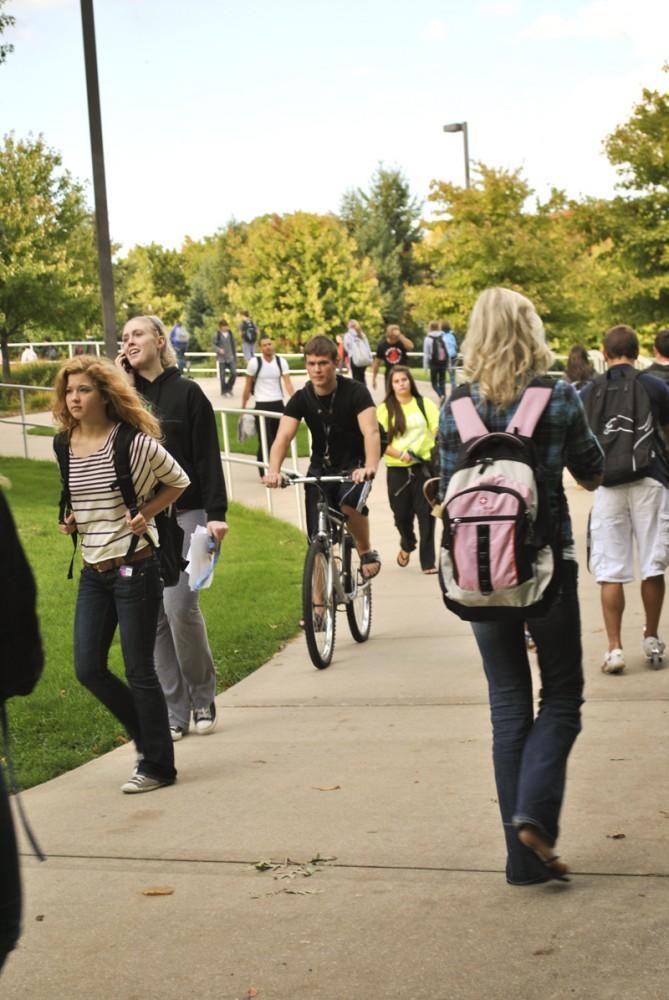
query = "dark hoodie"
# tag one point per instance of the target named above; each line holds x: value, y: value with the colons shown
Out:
x: 189, y: 425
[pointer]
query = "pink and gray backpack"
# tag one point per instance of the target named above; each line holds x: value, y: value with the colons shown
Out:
x: 497, y: 557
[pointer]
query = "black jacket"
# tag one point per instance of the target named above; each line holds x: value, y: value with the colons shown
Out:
x: 189, y: 425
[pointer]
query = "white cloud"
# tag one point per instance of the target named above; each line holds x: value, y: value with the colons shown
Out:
x: 644, y: 25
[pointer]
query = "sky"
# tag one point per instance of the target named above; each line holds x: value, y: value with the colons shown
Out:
x: 221, y: 109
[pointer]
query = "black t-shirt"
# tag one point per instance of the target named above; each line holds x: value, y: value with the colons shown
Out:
x: 336, y: 438
x: 391, y: 354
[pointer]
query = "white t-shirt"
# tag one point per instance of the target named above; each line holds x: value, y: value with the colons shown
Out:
x: 268, y: 384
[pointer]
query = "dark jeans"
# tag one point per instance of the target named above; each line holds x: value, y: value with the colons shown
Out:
x: 105, y: 600
x: 271, y: 426
x: 10, y: 882
x: 530, y: 754
x: 405, y: 494
x: 358, y: 374
x: 227, y: 373
x: 438, y: 379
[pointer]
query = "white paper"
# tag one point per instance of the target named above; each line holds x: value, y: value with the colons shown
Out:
x: 200, y: 560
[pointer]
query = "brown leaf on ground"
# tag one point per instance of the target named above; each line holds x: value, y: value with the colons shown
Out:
x: 544, y: 951
x: 326, y: 788
x: 252, y: 992
x: 616, y: 836
x: 663, y: 813
x: 158, y: 890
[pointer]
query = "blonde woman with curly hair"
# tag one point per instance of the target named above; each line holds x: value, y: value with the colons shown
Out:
x: 504, y: 350
x: 119, y: 584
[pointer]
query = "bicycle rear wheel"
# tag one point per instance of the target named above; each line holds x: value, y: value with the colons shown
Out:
x: 359, y: 607
x: 318, y: 605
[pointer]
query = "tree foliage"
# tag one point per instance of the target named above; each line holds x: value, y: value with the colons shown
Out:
x: 489, y: 235
x: 48, y: 273
x: 152, y: 280
x: 6, y: 21
x: 636, y: 224
x: 385, y: 224
x: 299, y: 275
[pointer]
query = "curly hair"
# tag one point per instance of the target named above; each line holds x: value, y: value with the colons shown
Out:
x: 505, y: 346
x: 122, y: 402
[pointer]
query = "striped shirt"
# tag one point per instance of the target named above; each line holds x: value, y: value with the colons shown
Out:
x: 99, y: 510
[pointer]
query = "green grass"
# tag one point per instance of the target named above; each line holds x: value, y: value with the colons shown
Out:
x: 61, y: 725
x: 42, y: 431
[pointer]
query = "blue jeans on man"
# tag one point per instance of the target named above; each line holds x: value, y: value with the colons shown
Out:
x: 104, y: 601
x: 530, y: 754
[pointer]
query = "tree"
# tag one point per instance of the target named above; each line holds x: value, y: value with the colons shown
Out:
x: 486, y: 235
x: 6, y: 21
x: 636, y: 224
x: 151, y: 279
x: 210, y: 265
x: 299, y: 275
x: 385, y: 224
x: 47, y: 246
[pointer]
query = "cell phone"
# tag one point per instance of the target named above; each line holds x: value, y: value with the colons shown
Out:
x: 126, y: 364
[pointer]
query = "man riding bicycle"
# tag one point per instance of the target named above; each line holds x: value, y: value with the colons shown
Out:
x: 341, y: 416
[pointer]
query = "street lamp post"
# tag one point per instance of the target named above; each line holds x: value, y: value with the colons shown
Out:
x: 461, y: 127
x: 99, y: 186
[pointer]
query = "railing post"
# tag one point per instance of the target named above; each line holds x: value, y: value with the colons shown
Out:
x: 22, y: 404
x: 298, y: 492
x: 227, y: 471
x: 265, y: 457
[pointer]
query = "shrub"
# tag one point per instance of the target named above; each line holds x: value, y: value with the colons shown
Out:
x: 32, y: 373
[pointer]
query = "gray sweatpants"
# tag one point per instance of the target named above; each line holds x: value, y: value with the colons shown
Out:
x: 184, y: 663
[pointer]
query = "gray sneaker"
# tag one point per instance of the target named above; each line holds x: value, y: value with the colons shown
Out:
x: 143, y: 783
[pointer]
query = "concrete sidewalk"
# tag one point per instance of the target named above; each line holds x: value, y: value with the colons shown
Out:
x: 380, y: 767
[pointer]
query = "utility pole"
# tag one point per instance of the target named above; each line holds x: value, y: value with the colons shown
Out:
x: 99, y: 185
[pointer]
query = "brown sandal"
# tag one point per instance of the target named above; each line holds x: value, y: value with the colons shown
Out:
x: 403, y: 558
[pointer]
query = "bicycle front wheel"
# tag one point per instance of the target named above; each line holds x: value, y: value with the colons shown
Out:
x: 359, y: 592
x: 318, y: 605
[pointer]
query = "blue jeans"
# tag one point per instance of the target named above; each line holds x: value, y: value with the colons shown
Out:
x: 530, y: 754
x: 104, y: 601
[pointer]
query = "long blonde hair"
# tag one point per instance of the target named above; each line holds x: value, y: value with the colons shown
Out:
x: 122, y: 402
x: 505, y: 346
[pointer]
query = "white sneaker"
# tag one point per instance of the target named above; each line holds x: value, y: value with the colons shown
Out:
x: 614, y: 662
x: 205, y: 719
x: 653, y: 649
x: 178, y: 732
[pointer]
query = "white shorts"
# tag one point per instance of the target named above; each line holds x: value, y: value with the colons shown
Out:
x: 621, y: 514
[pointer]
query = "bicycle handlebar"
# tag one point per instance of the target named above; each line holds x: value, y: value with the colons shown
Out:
x: 290, y: 479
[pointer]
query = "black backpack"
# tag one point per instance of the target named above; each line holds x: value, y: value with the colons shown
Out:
x: 282, y: 371
x: 170, y: 534
x: 249, y: 331
x: 621, y: 418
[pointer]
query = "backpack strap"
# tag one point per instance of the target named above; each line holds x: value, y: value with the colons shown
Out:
x: 532, y: 405
x: 467, y: 419
x: 255, y: 377
x: 123, y: 482
x: 61, y: 446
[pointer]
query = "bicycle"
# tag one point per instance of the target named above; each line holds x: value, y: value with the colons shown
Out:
x: 332, y: 578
